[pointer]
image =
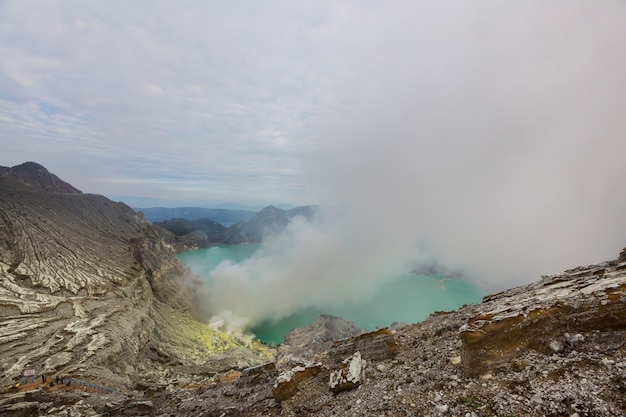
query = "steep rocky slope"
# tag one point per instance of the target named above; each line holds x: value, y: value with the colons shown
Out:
x: 90, y: 288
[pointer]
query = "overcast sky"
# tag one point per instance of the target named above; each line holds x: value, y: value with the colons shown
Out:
x: 482, y: 127
x: 191, y: 101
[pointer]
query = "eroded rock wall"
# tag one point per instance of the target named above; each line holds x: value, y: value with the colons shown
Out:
x: 79, y: 279
x: 580, y: 300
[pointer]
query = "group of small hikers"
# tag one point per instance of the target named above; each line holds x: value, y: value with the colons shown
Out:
x: 57, y: 380
x: 62, y: 380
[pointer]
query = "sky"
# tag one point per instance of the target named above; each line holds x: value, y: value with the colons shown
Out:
x: 194, y: 101
x: 488, y: 136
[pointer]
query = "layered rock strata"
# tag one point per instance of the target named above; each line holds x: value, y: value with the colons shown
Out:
x: 580, y: 300
x: 350, y: 375
x: 90, y: 288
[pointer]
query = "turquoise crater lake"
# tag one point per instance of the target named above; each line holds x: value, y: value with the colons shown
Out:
x: 407, y: 298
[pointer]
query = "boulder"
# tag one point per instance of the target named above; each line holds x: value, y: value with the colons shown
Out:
x: 288, y: 383
x: 374, y: 346
x: 350, y: 375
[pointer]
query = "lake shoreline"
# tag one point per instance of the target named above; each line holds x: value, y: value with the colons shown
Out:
x: 408, y: 298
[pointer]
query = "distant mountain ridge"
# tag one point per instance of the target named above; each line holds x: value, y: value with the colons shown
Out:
x: 206, y: 231
x: 269, y: 221
x: 181, y: 227
x: 192, y: 234
x: 225, y: 217
x: 256, y: 209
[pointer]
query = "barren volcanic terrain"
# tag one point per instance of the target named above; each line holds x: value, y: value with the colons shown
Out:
x: 91, y: 292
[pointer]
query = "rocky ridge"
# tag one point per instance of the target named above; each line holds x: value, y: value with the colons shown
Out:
x: 194, y: 233
x: 200, y: 233
x: 590, y: 298
x: 269, y: 221
x: 89, y: 288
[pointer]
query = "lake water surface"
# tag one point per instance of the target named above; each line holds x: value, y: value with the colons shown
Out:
x: 407, y: 298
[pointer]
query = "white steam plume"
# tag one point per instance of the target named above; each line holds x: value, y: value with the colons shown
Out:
x: 318, y: 263
x: 491, y: 132
x: 488, y: 137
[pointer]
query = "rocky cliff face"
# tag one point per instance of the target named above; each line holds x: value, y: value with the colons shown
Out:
x: 77, y: 290
x: 546, y: 316
x: 90, y: 288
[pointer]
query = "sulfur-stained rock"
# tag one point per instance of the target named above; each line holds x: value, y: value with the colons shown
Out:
x: 376, y: 345
x: 552, y: 348
x: 89, y: 287
x: 349, y: 376
x: 533, y: 317
x: 289, y: 382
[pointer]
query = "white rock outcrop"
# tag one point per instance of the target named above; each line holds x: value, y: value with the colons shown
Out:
x: 350, y: 375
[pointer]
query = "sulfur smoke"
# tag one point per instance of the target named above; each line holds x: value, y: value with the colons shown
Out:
x: 485, y: 138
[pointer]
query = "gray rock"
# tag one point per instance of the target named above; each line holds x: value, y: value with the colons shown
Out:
x: 317, y: 336
x: 536, y: 399
x: 348, y: 376
x: 577, y: 338
x: 588, y: 298
x: 556, y: 346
